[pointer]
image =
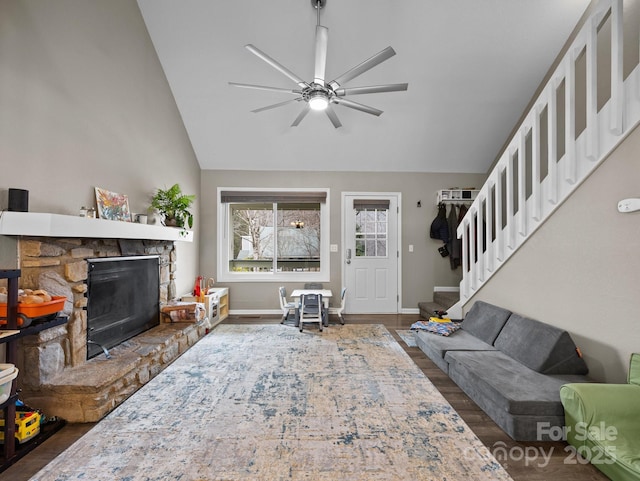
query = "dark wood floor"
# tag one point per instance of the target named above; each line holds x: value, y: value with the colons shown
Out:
x: 531, y: 461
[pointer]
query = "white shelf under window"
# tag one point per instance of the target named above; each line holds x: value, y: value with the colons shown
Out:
x: 39, y: 224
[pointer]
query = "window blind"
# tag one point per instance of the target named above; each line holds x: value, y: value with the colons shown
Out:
x: 229, y: 196
x: 361, y: 204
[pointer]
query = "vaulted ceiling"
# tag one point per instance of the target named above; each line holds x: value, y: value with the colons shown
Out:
x: 472, y: 67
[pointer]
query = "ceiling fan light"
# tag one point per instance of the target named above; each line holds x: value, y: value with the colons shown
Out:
x: 318, y: 101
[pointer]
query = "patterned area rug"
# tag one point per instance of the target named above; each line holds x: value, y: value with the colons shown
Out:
x: 408, y: 337
x: 266, y: 402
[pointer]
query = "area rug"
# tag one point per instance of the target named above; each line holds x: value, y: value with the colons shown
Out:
x: 266, y: 402
x: 407, y: 336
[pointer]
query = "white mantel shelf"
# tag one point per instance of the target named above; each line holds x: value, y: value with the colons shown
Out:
x: 59, y: 225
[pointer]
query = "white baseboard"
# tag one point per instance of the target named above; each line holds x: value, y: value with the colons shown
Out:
x: 446, y: 289
x: 255, y: 312
x: 409, y: 310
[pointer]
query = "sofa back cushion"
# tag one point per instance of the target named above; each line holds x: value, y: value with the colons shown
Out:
x: 485, y: 321
x: 541, y: 347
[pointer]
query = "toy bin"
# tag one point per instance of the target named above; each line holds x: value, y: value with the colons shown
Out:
x: 5, y: 369
x: 5, y: 383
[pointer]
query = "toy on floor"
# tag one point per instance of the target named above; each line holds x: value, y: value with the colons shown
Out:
x: 27, y: 426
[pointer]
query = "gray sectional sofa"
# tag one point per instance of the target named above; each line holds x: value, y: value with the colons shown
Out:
x: 511, y: 366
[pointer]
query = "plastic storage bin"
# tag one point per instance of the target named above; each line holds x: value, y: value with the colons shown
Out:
x: 5, y: 383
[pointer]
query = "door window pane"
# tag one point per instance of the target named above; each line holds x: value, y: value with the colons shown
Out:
x: 371, y: 232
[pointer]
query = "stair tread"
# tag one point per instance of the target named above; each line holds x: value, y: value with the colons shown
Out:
x: 442, y: 300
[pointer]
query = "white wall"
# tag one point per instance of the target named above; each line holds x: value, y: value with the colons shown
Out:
x: 83, y: 103
x: 581, y: 270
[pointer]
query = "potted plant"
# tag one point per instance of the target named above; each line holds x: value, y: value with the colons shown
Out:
x: 174, y: 205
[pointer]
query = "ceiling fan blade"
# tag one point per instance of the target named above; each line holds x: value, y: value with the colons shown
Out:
x: 275, y: 64
x: 333, y: 117
x: 301, y: 116
x: 279, y: 104
x: 373, y: 89
x: 322, y: 40
x: 355, y: 105
x: 264, y: 87
x: 363, y: 67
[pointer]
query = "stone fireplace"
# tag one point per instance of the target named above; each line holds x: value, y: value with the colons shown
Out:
x: 55, y: 375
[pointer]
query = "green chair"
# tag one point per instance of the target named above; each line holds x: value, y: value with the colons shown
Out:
x: 603, y: 423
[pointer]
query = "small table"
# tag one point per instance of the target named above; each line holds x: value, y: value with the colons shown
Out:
x: 298, y: 293
x: 326, y: 295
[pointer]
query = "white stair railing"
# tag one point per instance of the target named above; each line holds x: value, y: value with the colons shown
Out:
x: 517, y: 196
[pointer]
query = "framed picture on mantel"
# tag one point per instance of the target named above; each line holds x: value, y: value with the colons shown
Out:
x: 112, y: 206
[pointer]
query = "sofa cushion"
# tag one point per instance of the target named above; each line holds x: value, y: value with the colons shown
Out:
x: 541, y: 347
x: 485, y: 321
x: 505, y: 384
x: 435, y: 347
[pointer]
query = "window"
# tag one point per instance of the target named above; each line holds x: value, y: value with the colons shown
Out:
x: 371, y: 227
x: 273, y: 235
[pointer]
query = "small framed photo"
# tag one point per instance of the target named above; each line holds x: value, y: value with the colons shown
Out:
x: 112, y: 206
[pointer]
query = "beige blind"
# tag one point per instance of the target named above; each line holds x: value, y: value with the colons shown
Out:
x: 228, y: 196
x: 381, y: 204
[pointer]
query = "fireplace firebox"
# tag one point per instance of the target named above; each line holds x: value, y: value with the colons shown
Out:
x: 123, y: 300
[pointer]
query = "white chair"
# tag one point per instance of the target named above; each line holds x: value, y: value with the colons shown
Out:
x: 311, y: 310
x: 338, y: 311
x: 286, y: 306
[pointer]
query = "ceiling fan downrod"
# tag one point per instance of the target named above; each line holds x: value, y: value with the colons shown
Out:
x: 318, y: 4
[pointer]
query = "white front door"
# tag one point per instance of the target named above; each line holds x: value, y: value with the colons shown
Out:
x: 370, y: 254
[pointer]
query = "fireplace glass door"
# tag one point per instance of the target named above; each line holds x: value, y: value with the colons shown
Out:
x: 123, y: 300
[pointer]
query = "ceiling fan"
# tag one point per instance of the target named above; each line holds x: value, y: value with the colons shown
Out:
x: 319, y: 94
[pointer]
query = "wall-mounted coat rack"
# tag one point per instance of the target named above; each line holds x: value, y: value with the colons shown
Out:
x: 456, y: 196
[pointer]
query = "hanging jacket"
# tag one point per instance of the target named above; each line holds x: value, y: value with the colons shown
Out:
x: 455, y: 244
x: 439, y: 227
x: 462, y: 213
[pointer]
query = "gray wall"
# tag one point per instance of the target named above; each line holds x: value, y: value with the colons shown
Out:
x: 83, y: 103
x: 422, y: 269
x: 581, y: 269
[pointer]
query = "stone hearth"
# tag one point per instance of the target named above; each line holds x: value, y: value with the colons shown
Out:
x: 88, y: 392
x: 54, y: 373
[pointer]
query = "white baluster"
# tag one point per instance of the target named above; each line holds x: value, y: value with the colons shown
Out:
x: 592, y: 89
x: 617, y: 80
x: 472, y: 250
x: 552, y: 142
x: 510, y: 199
x: 499, y: 207
x: 490, y: 225
x: 570, y: 118
x: 463, y: 233
x: 480, y: 239
x: 522, y: 183
x: 535, y: 163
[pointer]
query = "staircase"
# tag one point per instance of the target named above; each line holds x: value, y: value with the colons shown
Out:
x: 442, y: 301
x: 565, y: 136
